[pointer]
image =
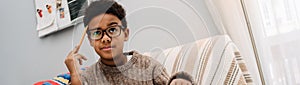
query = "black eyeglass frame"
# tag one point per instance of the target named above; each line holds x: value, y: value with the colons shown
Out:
x: 105, y: 31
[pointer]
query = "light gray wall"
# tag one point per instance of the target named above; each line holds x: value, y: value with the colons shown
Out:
x: 166, y: 23
x: 26, y: 58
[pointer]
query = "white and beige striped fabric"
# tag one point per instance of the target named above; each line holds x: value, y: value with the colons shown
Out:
x: 211, y: 61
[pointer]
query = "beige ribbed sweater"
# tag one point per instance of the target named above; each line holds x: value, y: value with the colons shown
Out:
x: 139, y: 70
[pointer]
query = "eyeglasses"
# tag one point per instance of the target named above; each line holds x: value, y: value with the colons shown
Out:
x: 111, y: 31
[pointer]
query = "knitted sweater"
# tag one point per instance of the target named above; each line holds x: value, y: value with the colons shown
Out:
x: 139, y: 70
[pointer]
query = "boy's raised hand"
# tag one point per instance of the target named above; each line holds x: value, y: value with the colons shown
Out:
x: 73, y: 59
x: 71, y: 62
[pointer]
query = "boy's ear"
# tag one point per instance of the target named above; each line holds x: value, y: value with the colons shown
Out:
x: 126, y: 32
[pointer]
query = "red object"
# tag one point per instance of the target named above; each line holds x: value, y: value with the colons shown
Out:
x: 39, y: 11
x: 47, y: 82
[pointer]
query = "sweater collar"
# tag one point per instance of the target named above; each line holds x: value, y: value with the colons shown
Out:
x: 121, y: 68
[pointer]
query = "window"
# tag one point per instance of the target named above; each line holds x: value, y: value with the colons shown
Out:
x: 279, y: 44
x: 280, y: 16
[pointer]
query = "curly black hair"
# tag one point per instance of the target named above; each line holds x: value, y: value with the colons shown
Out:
x: 105, y: 6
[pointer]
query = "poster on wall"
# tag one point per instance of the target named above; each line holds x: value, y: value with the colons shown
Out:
x: 55, y: 15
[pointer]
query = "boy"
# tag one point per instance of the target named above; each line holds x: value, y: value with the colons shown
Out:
x: 107, y: 32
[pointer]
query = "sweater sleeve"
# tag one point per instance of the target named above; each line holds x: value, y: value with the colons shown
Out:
x: 160, y: 75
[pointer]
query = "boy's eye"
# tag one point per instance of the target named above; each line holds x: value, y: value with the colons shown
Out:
x: 112, y: 30
x: 96, y: 33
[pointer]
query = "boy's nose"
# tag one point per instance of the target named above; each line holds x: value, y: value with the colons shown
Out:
x: 106, y: 39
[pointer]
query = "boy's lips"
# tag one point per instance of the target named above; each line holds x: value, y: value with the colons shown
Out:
x: 107, y: 48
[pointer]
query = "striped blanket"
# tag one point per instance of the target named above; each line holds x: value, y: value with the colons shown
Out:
x: 211, y: 61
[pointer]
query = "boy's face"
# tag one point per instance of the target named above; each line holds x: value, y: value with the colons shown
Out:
x: 108, y: 46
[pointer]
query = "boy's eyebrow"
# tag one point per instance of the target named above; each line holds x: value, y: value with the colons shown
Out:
x: 93, y: 28
x: 112, y: 23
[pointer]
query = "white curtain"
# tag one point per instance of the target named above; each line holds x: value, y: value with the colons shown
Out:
x: 278, y: 43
